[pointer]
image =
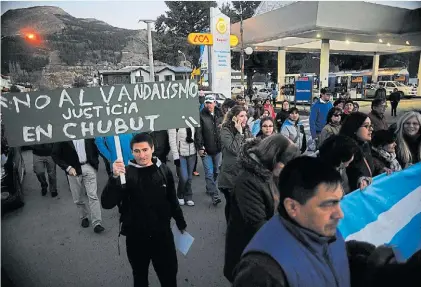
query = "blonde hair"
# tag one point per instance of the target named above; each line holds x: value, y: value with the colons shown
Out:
x: 403, y: 152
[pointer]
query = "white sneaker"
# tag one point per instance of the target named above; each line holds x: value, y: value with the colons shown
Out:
x: 190, y: 202
x: 181, y: 201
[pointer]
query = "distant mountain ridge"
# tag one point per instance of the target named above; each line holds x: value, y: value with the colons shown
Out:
x: 70, y: 45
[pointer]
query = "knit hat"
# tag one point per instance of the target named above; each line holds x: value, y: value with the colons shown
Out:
x: 383, y: 137
x: 352, y: 123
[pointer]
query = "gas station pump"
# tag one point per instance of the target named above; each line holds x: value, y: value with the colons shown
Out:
x: 358, y: 84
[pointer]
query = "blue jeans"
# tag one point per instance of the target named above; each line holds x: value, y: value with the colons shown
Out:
x: 211, y: 165
x: 184, y: 190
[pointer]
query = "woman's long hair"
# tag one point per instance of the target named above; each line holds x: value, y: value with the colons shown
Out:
x: 403, y: 151
x: 274, y: 149
x: 331, y: 112
x: 235, y: 111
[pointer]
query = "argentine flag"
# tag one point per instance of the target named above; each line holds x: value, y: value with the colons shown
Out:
x: 387, y: 212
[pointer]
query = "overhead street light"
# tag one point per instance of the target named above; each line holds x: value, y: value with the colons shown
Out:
x: 150, y: 51
x: 185, y: 60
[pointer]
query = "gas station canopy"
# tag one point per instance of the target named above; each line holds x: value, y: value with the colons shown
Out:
x: 358, y: 28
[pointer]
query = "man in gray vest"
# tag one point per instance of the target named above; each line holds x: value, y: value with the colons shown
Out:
x: 301, y: 246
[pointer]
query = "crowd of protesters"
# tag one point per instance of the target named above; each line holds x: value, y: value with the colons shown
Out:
x: 281, y: 206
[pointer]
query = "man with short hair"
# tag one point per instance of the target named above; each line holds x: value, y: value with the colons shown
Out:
x: 147, y: 202
x: 380, y: 92
x: 394, y: 98
x: 79, y: 159
x: 301, y: 246
x: 208, y: 143
x: 240, y: 100
x: 318, y: 115
x: 378, y: 120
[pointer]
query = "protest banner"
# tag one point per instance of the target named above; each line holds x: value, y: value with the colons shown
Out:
x: 386, y: 212
x: 77, y: 113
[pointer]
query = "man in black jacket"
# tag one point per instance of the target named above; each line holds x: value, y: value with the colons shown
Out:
x: 42, y: 159
x: 380, y: 92
x: 395, y: 98
x: 147, y: 203
x: 79, y: 159
x: 208, y: 143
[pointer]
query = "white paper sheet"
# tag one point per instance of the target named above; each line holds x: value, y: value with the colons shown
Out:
x: 183, y: 241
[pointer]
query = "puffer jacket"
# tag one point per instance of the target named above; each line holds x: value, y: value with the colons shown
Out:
x: 232, y: 142
x: 293, y: 132
x: 252, y: 205
x: 178, y: 144
x: 328, y: 131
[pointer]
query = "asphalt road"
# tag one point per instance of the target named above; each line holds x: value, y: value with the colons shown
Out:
x: 44, y: 245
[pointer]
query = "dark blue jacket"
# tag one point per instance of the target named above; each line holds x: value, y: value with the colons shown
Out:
x: 306, y: 258
x: 318, y: 116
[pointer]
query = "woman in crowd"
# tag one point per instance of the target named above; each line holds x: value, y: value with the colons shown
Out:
x: 184, y: 154
x: 408, y: 139
x: 339, y: 151
x: 294, y: 130
x: 255, y: 196
x: 268, y: 107
x: 339, y: 103
x: 348, y: 109
x: 333, y: 124
x: 234, y: 132
x: 383, y: 150
x: 282, y: 115
x: 267, y: 128
x: 254, y: 122
x: 361, y: 170
x: 356, y: 107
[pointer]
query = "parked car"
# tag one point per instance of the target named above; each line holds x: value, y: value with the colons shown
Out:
x: 391, y: 85
x: 12, y: 176
x: 219, y: 97
x: 264, y: 93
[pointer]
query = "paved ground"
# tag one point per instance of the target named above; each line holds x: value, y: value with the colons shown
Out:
x: 44, y: 245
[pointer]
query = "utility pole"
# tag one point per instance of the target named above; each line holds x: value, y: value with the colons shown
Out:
x: 151, y: 66
x: 242, y: 49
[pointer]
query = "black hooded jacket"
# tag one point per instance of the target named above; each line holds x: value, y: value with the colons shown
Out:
x: 208, y: 136
x: 148, y: 200
x: 252, y: 205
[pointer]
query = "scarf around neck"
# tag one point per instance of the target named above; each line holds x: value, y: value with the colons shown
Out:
x: 390, y: 158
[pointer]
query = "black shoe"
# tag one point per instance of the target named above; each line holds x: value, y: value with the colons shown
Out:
x: 43, y: 191
x: 98, y: 228
x: 85, y: 223
x: 216, y: 201
x: 54, y: 194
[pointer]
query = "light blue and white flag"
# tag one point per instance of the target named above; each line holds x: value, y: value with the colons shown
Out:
x: 387, y: 212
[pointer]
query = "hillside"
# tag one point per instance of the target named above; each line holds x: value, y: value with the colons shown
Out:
x: 70, y: 45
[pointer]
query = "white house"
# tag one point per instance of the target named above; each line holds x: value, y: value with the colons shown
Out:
x: 140, y: 74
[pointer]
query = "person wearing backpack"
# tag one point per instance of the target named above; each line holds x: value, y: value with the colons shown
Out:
x: 294, y: 130
x: 147, y: 202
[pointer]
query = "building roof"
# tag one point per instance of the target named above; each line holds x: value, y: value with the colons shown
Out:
x: 351, y: 27
x: 158, y: 69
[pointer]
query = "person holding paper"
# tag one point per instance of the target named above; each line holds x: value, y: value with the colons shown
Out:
x: 147, y: 202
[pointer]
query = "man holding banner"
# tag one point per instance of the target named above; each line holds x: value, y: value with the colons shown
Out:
x: 147, y: 203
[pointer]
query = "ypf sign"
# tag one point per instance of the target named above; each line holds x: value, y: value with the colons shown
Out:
x: 207, y: 39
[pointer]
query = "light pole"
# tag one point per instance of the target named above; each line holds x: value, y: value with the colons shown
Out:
x: 242, y: 49
x: 151, y: 67
x: 185, y: 61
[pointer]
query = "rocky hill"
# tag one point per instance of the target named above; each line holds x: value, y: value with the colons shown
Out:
x: 70, y: 46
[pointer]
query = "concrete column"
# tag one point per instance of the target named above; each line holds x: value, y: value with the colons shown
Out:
x: 281, y: 71
x: 375, y: 75
x: 324, y: 63
x: 419, y: 78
